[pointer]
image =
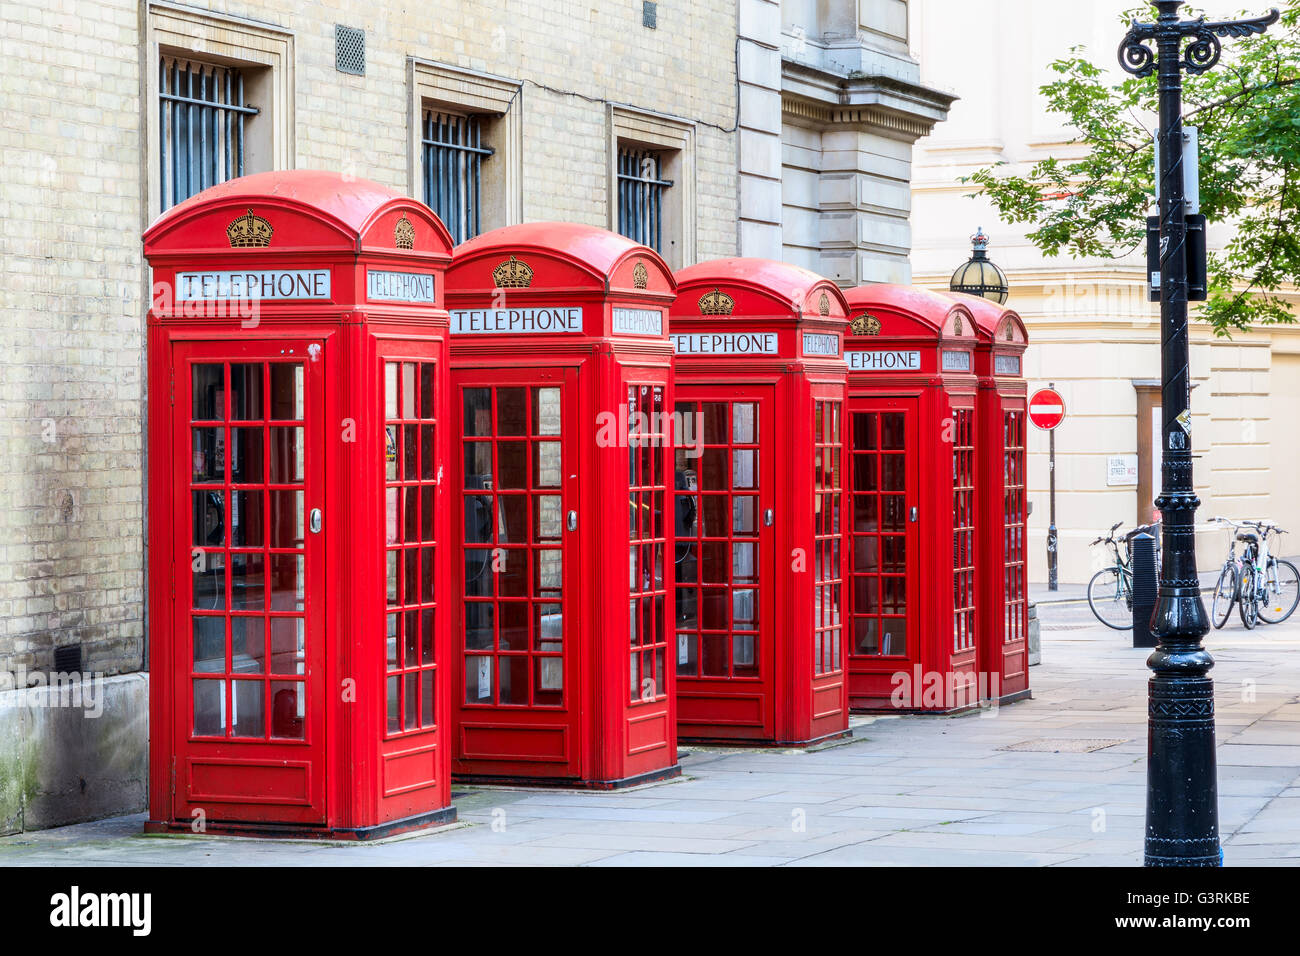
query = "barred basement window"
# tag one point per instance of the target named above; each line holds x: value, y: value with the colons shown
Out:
x: 641, y: 189
x: 453, y: 171
x: 202, y: 116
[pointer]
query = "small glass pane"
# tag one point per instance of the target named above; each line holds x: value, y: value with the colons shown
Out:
x: 394, y: 703
x: 742, y: 423
x: 478, y: 679
x: 513, y: 616
x: 513, y: 671
x: 245, y: 392
x: 247, y: 644
x: 744, y: 514
x: 289, y: 644
x: 286, y: 519
x: 512, y: 411
x: 478, y: 465
x: 546, y: 465
x: 248, y: 581
x: 209, y: 648
x: 478, y: 572
x: 207, y: 455
x: 246, y: 520
x: 512, y: 512
x: 477, y: 404
x: 286, y: 391
x: 246, y: 455
x: 512, y: 571
x: 743, y: 464
x: 548, y: 570
x: 209, y: 708
x: 408, y: 391
x: 288, y: 583
x: 248, y: 709
x: 428, y: 452
x: 548, y: 628
x: 512, y: 465
x: 428, y: 391
x: 480, y: 625
x: 287, y: 450
x: 209, y: 519
x: 288, y: 709
x: 891, y: 431
x: 714, y: 418
x: 427, y: 622
x: 209, y: 402
x: 546, y: 411
x: 390, y: 390
x: 209, y: 582
x: 426, y: 699
x: 410, y: 451
x: 412, y: 699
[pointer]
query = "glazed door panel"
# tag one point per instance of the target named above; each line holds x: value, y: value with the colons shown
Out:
x: 883, y: 561
x: 519, y: 688
x: 1015, y: 625
x: 249, y: 580
x: 724, y: 480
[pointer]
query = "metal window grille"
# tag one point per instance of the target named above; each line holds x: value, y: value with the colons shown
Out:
x: 202, y: 115
x: 453, y: 171
x: 349, y: 50
x: 641, y: 188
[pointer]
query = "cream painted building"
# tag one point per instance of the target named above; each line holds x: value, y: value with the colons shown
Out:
x: 747, y: 126
x: 1092, y: 331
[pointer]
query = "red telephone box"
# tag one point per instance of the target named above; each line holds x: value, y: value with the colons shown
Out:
x: 914, y: 484
x: 297, y: 513
x: 562, y: 387
x: 760, y: 503
x: 1003, y: 513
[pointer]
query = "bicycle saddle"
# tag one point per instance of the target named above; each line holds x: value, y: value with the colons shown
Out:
x: 1247, y: 536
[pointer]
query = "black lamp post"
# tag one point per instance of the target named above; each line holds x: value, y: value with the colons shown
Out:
x: 1182, y: 819
x: 978, y: 275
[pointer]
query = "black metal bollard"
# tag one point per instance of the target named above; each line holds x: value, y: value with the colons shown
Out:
x: 1145, y: 586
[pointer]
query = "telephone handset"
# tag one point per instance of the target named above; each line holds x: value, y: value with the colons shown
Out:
x: 479, y: 525
x: 685, y: 510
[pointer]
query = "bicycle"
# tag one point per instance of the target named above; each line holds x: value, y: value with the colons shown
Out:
x: 1264, y: 587
x: 1110, y: 592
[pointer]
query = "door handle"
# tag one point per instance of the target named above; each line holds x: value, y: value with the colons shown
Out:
x: 314, y: 522
x: 914, y: 514
x: 573, y: 521
x: 769, y: 516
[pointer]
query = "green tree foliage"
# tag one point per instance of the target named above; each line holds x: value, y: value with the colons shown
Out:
x: 1248, y: 111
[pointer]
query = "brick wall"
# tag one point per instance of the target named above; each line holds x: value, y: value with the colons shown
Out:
x: 73, y: 164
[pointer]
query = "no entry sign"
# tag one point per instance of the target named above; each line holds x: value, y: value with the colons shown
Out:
x: 1046, y: 409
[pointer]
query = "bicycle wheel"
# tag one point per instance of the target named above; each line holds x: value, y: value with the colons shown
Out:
x: 1111, y: 598
x: 1225, y: 593
x: 1282, y: 592
x: 1248, y: 596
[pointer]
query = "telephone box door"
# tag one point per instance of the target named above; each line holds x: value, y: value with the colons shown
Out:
x: 1014, y: 664
x: 249, y: 572
x: 725, y: 602
x: 883, y: 560
x: 518, y: 693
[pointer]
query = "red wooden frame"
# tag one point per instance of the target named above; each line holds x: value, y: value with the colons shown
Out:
x: 583, y: 309
x: 351, y: 279
x: 999, y: 363
x: 754, y: 331
x: 911, y: 353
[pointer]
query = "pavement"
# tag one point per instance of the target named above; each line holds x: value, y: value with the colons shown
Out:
x: 1058, y: 780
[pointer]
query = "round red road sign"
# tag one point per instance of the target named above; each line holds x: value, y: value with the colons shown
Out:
x: 1046, y: 409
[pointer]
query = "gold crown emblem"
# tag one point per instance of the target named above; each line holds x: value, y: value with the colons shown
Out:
x: 956, y: 325
x: 248, y: 231
x: 512, y: 274
x: 640, y: 276
x: 1010, y: 331
x: 716, y: 303
x: 404, y: 234
x: 865, y: 324
x: 824, y: 304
